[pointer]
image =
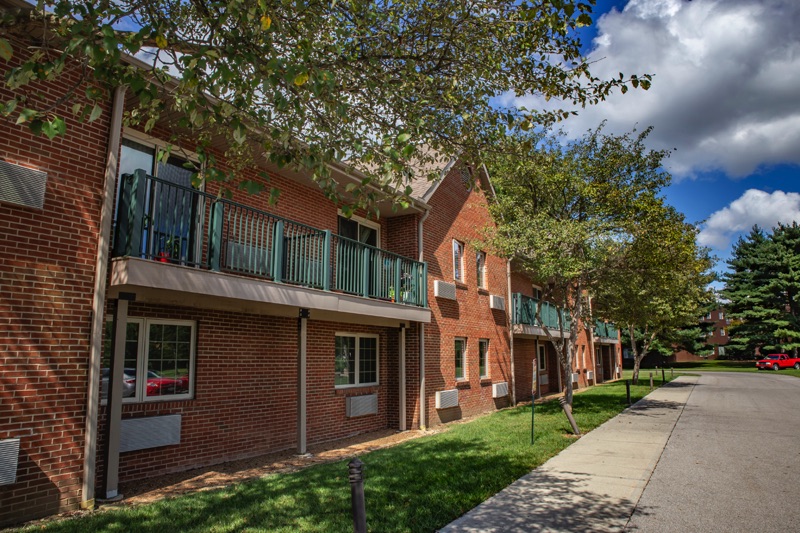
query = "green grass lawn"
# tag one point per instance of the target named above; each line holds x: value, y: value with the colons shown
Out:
x: 419, y: 485
x: 714, y: 366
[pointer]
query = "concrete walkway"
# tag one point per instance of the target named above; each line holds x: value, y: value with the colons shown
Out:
x: 594, y: 484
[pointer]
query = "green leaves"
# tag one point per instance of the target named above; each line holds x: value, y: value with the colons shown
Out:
x: 26, y: 115
x: 6, y: 52
x: 54, y: 127
x: 320, y: 81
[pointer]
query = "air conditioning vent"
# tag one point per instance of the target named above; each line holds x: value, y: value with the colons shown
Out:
x: 497, y: 302
x: 544, y: 380
x: 362, y: 405
x: 575, y: 377
x: 446, y: 399
x: 590, y: 375
x: 9, y: 456
x: 500, y: 390
x: 22, y: 186
x: 442, y: 289
x: 149, y: 432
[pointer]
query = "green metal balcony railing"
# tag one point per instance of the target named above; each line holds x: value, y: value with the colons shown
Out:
x: 605, y: 329
x: 525, y: 313
x: 166, y: 222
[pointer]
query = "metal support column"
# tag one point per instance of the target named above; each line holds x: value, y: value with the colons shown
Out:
x: 115, y: 378
x: 302, y: 379
x: 402, y: 372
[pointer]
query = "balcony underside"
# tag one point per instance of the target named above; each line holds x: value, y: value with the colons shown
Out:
x: 168, y: 284
x: 528, y: 331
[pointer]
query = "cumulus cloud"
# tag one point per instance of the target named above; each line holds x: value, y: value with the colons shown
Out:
x: 726, y: 91
x: 753, y: 207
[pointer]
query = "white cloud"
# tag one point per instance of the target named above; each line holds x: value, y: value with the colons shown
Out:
x: 726, y: 87
x: 753, y: 207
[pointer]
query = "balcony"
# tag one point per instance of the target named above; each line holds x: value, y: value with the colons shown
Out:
x: 606, y: 332
x: 161, y: 223
x: 524, y: 318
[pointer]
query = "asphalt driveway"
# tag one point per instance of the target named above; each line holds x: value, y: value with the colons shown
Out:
x: 732, y: 462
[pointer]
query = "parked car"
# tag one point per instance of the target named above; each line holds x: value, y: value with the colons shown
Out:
x: 160, y: 386
x: 156, y: 384
x: 128, y: 382
x: 778, y: 361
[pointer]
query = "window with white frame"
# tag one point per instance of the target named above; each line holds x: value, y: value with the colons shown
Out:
x: 483, y: 357
x: 542, y: 358
x: 480, y: 263
x: 161, y: 350
x: 458, y: 261
x: 461, y: 358
x: 356, y: 360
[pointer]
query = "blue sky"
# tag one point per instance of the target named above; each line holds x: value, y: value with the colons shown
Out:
x: 725, y: 95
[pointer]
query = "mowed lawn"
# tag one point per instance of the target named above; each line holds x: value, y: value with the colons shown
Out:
x: 713, y: 366
x: 420, y: 485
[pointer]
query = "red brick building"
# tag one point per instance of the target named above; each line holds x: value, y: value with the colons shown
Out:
x: 148, y: 326
x: 597, y: 356
x: 182, y: 329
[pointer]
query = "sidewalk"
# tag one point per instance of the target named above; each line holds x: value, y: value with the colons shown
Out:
x: 594, y: 484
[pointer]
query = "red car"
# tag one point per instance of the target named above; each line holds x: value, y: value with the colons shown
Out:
x: 158, y: 386
x: 778, y: 361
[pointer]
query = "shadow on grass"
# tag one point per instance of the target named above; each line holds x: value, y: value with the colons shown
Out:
x: 415, y: 486
x: 419, y: 485
x: 545, y: 502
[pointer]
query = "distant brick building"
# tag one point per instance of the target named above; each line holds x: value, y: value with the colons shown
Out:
x: 716, y: 339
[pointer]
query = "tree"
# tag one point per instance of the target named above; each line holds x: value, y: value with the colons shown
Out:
x: 309, y: 83
x: 746, y: 289
x: 657, y: 279
x: 763, y: 287
x: 560, y: 209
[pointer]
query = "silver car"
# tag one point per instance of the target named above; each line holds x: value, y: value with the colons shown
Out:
x: 128, y: 383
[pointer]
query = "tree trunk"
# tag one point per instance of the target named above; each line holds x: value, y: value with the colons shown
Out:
x: 568, y: 384
x: 636, y: 359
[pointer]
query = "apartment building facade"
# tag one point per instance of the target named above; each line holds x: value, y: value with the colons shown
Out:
x: 150, y: 325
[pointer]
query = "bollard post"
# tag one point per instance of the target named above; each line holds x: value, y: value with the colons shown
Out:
x: 651, y: 381
x: 628, y: 390
x: 355, y: 468
x: 532, y: 418
x: 663, y: 376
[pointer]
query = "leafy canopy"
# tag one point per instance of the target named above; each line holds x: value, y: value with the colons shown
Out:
x: 305, y: 83
x: 565, y: 208
x: 657, y: 281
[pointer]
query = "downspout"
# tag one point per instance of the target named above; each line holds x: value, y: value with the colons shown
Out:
x: 98, y: 316
x: 509, y: 313
x: 421, y: 258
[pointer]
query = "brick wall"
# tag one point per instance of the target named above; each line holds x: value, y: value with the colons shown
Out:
x: 245, y: 390
x: 47, y: 261
x: 458, y: 213
x: 402, y: 235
